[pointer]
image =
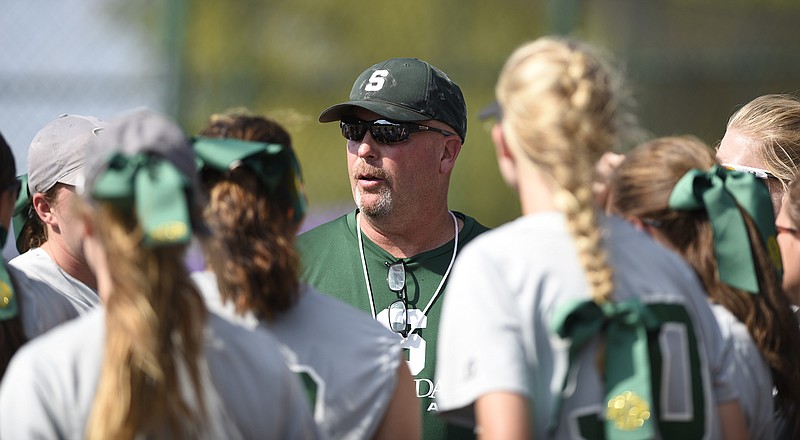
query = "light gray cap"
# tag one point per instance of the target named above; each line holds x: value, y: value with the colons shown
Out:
x: 58, y: 151
x: 142, y: 130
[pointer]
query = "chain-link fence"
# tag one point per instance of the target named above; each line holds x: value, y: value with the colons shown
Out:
x: 690, y: 63
x: 70, y: 56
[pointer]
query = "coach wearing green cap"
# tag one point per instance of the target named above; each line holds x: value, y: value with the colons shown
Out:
x: 405, y: 124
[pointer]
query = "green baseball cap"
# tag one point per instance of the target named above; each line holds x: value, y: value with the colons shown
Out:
x: 405, y: 90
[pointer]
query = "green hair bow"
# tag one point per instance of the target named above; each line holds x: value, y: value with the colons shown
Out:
x: 8, y: 298
x: 157, y: 191
x: 272, y: 163
x: 627, y: 370
x: 721, y: 192
x: 22, y: 209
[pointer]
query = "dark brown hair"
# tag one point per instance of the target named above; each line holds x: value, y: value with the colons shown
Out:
x: 34, y: 232
x: 252, y: 245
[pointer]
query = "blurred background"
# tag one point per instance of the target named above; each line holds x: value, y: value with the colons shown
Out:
x: 689, y: 64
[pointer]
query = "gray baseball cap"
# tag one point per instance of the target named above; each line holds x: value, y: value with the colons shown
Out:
x: 141, y: 131
x: 143, y: 163
x: 57, y: 153
x: 405, y: 90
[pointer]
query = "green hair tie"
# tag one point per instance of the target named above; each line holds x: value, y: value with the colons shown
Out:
x: 272, y: 163
x: 155, y: 188
x: 721, y: 192
x: 627, y: 370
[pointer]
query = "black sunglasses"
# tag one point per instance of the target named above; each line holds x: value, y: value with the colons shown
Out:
x: 383, y: 131
x: 398, y: 310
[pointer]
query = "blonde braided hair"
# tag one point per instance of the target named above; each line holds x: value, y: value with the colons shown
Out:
x: 560, y: 112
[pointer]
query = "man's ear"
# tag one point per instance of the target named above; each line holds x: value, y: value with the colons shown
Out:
x: 43, y: 209
x: 452, y: 147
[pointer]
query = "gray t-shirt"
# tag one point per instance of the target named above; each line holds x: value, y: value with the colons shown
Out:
x: 41, y: 307
x: 49, y: 387
x: 38, y: 266
x: 496, y: 332
x: 347, y: 360
x: 752, y: 376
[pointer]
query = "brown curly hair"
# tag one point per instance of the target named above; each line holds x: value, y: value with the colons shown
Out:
x: 251, y: 248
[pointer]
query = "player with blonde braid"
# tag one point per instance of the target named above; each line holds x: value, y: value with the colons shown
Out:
x: 574, y: 318
x: 152, y: 363
x: 573, y: 151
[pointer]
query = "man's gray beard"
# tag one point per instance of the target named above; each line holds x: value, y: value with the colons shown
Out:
x: 377, y: 210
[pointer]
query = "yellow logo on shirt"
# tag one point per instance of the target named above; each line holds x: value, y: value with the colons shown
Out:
x: 5, y: 295
x: 628, y: 411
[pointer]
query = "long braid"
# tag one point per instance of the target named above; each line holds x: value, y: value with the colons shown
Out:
x: 563, y: 122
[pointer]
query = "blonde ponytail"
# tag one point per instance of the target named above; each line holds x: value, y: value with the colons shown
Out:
x: 154, y: 329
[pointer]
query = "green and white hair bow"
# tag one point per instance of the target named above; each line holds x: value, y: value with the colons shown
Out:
x: 271, y: 163
x: 155, y: 189
x: 627, y: 370
x: 721, y: 192
x: 22, y: 209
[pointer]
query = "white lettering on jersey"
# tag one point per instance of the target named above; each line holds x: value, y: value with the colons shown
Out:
x: 314, y: 385
x: 676, y: 376
x: 426, y: 389
x: 429, y: 389
x: 377, y: 80
x: 414, y: 343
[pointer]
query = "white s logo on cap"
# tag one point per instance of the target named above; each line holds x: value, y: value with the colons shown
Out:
x: 377, y: 80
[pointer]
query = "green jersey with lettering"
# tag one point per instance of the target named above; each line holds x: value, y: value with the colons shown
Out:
x: 507, y: 286
x: 332, y: 263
